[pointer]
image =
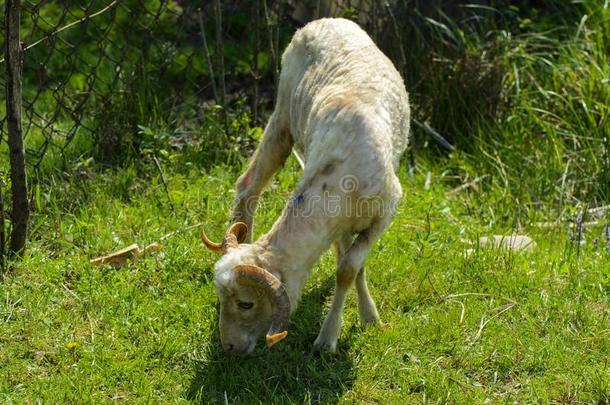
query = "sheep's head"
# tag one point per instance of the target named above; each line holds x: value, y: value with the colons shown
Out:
x: 252, y: 300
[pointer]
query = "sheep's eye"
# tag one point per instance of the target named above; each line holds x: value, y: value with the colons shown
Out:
x: 245, y: 305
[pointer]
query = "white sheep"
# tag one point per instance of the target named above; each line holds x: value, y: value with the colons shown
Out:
x: 344, y: 108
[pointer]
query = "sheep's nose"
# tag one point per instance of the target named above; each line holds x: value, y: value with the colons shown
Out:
x: 227, y: 347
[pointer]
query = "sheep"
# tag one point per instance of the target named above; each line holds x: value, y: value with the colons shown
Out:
x: 343, y: 107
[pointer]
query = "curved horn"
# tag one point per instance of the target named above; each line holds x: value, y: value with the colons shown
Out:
x: 213, y: 246
x: 255, y: 276
x: 234, y: 236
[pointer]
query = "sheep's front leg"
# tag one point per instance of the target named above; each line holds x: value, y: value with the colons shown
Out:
x: 268, y: 158
x: 351, y: 267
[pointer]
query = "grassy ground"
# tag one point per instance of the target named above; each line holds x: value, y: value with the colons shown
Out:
x: 489, y: 325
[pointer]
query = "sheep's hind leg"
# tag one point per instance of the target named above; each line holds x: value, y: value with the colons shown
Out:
x: 268, y: 158
x: 351, y: 265
x: 329, y: 333
x: 341, y: 246
x: 366, y: 306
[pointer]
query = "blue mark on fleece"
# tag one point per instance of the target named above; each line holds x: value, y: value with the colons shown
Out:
x: 298, y: 199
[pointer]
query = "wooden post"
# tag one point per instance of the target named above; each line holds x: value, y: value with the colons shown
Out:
x: 19, y: 190
x: 2, y: 237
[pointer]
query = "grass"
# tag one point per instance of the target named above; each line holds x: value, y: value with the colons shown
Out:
x: 489, y: 325
x: 518, y: 88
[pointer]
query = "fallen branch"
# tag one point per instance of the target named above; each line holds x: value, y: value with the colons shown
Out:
x: 207, y: 56
x: 558, y: 223
x: 413, y: 226
x: 475, y: 294
x: 169, y: 197
x: 133, y: 252
x: 188, y: 228
x: 598, y: 212
x: 435, y: 135
x: 119, y: 258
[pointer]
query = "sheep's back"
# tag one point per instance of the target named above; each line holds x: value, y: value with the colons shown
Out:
x: 333, y: 80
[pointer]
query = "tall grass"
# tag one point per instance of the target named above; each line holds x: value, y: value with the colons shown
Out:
x: 522, y: 93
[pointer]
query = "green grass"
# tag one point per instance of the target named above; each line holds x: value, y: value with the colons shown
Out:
x: 527, y: 100
x: 489, y: 325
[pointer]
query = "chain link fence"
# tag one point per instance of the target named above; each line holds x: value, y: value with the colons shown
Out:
x: 104, y: 80
x: 97, y: 71
x: 94, y: 70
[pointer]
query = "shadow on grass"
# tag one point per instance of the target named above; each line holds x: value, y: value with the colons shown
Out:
x: 287, y: 373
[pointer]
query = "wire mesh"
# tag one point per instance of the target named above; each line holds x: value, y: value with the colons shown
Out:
x: 96, y: 71
x: 86, y: 62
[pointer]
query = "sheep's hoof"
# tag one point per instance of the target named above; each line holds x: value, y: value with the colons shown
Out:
x: 370, y: 321
x: 322, y: 344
